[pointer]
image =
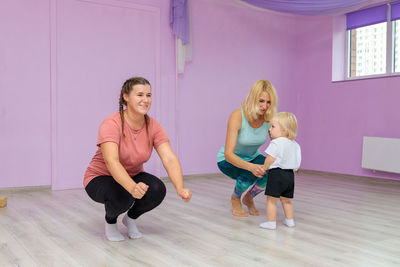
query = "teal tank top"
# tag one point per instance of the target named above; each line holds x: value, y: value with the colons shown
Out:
x: 248, y: 141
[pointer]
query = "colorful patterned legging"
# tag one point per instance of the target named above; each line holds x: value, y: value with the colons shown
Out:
x: 244, y: 178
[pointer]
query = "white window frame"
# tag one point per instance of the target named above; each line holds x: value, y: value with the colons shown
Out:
x: 389, y: 53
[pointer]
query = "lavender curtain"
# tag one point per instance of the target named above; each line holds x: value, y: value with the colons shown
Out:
x: 366, y: 17
x: 179, y: 20
x: 311, y: 7
x: 395, y: 10
x: 180, y: 24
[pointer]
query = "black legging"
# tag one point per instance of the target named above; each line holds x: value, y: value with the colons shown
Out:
x: 116, y: 200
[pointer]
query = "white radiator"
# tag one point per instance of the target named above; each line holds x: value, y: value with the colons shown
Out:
x: 381, y: 154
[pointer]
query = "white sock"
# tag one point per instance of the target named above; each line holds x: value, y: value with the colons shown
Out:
x: 289, y: 223
x: 133, y: 232
x: 112, y: 232
x: 268, y: 225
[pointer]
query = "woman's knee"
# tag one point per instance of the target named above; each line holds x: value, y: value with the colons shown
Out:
x: 157, y: 188
x: 228, y: 169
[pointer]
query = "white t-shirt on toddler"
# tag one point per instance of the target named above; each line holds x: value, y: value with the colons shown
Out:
x: 286, y: 152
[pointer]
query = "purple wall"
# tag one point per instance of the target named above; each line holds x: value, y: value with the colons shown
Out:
x: 94, y: 57
x: 333, y: 117
x: 233, y: 46
x: 62, y: 63
x: 24, y: 93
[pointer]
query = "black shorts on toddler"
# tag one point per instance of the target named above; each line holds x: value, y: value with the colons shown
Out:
x: 280, y: 183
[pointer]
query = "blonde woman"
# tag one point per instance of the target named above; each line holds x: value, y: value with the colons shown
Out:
x: 240, y: 158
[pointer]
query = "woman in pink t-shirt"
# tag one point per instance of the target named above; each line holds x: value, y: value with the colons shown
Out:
x: 115, y: 176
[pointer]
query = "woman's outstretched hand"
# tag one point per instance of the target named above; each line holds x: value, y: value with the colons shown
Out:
x: 185, y: 194
x: 139, y: 190
x: 257, y: 170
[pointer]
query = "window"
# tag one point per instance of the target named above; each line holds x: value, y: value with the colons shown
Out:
x: 395, y: 17
x: 369, y: 57
x: 396, y: 45
x: 374, y: 41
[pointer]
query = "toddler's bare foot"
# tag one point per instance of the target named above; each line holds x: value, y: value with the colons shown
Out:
x: 237, y: 209
x: 248, y: 201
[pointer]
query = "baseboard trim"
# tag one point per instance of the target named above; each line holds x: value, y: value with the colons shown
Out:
x: 346, y: 176
x: 197, y: 176
x: 11, y: 190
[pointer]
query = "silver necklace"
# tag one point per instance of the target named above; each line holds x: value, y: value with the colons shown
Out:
x: 134, y: 136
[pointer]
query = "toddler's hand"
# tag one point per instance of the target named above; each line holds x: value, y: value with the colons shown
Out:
x: 257, y: 170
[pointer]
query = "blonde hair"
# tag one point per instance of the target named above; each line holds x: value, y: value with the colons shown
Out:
x: 288, y: 122
x: 250, y: 104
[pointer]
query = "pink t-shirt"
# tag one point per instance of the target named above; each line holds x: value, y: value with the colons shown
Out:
x: 132, y: 153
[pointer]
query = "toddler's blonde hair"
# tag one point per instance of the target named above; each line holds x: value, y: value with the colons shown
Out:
x: 288, y: 122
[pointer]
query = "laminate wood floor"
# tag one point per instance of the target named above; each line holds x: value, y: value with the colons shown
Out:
x: 340, y: 221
